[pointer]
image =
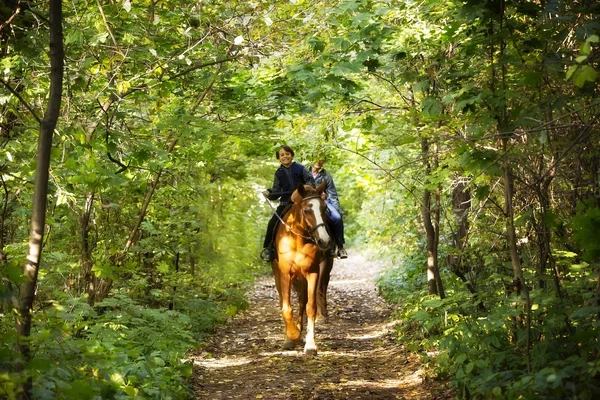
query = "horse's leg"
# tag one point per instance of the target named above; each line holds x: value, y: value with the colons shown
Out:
x: 325, y: 274
x: 300, y: 285
x: 292, y: 334
x: 311, y: 311
x: 277, y: 276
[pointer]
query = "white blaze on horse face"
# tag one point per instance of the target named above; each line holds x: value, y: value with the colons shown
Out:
x: 320, y: 221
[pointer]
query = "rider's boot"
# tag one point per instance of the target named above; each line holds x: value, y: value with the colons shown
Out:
x: 267, y: 254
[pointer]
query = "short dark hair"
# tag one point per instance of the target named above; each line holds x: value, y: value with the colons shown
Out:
x: 286, y: 148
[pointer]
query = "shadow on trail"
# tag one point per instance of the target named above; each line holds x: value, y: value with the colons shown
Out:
x: 358, y: 358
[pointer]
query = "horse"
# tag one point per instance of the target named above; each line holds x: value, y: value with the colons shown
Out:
x: 301, y: 242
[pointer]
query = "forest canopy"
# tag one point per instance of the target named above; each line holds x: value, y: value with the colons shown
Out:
x: 137, y: 136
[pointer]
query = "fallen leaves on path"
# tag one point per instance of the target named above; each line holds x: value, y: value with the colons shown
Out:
x: 358, y: 358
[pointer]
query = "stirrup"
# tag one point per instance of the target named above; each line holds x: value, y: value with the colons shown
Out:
x: 342, y: 253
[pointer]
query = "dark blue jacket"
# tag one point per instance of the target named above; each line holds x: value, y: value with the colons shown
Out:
x: 286, y: 181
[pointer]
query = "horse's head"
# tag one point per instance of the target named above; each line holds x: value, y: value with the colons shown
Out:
x: 313, y: 209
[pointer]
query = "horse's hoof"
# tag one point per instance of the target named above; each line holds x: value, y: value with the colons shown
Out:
x: 310, y: 351
x: 292, y: 344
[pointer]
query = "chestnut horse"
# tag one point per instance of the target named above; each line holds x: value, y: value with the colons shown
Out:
x: 301, y: 240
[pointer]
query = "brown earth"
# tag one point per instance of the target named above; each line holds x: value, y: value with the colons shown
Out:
x: 358, y: 356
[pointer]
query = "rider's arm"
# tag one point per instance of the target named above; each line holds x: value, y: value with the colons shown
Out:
x: 275, y: 191
x: 332, y: 194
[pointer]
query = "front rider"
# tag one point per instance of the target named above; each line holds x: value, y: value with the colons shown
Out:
x: 287, y: 178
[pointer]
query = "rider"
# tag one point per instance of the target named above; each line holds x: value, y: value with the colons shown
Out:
x: 334, y: 211
x: 287, y: 178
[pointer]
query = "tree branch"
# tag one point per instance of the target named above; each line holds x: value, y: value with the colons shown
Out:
x: 22, y: 100
x: 200, y: 66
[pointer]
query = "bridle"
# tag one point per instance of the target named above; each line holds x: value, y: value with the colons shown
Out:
x: 311, y: 231
x: 314, y: 228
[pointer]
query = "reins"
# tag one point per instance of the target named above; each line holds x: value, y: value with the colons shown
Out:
x: 310, y: 231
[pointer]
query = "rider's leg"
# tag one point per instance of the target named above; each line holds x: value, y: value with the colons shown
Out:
x: 338, y: 229
x: 268, y: 252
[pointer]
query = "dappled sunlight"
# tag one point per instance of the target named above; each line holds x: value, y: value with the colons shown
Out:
x: 225, y: 362
x: 283, y: 353
x: 374, y: 333
x: 405, y: 382
x: 348, y: 281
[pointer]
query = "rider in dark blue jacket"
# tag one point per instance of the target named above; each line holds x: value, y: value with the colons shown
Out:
x: 287, y: 178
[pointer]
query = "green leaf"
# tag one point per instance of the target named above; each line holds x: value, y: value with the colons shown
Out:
x: 469, y: 367
x: 586, y: 74
x: 345, y: 67
x: 186, y: 370
x: 571, y: 71
x: 521, y: 220
x: 421, y: 86
x: 163, y: 267
x: 482, y: 192
x: 103, y: 270
x: 80, y: 389
x: 432, y: 106
x: 585, y: 312
x: 316, y: 44
x: 130, y: 391
x: 586, y: 48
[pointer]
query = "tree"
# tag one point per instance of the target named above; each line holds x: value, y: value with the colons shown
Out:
x: 24, y: 304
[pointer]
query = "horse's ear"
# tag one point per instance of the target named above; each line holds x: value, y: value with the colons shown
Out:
x: 301, y: 190
x: 322, y: 186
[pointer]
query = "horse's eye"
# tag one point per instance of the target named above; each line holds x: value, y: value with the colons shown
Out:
x: 307, y: 209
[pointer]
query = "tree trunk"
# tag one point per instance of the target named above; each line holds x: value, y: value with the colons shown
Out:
x: 88, y: 283
x: 434, y: 281
x: 431, y: 254
x: 436, y: 227
x: 172, y: 302
x: 461, y: 203
x: 38, y: 218
x: 510, y: 226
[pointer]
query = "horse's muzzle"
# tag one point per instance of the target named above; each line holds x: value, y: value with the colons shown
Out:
x: 321, y: 242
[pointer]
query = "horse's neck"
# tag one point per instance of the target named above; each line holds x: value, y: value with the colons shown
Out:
x: 294, y: 218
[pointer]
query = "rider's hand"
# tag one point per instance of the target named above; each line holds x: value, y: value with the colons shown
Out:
x: 266, y: 193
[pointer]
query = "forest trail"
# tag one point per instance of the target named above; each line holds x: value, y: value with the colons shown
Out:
x: 358, y: 357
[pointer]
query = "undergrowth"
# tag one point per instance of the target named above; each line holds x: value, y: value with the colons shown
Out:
x: 485, y: 344
x: 120, y: 348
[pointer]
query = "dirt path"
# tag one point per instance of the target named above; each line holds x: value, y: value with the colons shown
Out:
x: 358, y: 358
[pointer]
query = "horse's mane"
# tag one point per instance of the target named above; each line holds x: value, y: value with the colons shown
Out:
x: 296, y: 196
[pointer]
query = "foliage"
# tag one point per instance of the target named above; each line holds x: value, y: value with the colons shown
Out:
x: 172, y: 111
x: 474, y: 346
x: 117, y: 349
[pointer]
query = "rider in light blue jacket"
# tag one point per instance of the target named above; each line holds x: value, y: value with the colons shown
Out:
x: 333, y: 205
